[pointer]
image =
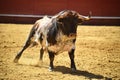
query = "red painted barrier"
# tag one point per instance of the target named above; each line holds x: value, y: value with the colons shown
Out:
x: 103, y: 8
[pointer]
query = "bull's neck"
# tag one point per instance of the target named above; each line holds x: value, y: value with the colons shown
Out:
x: 69, y: 28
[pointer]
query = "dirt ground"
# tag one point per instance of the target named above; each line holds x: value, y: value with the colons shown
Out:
x: 97, y: 55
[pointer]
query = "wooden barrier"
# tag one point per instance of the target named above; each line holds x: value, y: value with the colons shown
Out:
x: 28, y: 11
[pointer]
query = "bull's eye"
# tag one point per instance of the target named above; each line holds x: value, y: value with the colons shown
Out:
x: 70, y: 35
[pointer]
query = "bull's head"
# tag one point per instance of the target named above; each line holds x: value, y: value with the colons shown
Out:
x: 74, y: 16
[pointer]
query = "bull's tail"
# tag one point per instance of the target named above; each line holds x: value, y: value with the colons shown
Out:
x: 30, y: 36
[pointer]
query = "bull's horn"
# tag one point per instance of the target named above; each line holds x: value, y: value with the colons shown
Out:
x: 89, y: 16
x: 90, y: 13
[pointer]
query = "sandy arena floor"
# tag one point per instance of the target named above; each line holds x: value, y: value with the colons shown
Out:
x: 97, y: 55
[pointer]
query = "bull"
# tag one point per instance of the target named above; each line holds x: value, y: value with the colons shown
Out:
x: 55, y: 34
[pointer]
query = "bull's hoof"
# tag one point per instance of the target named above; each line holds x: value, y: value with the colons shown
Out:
x: 50, y: 69
x: 73, y: 69
x: 15, y: 60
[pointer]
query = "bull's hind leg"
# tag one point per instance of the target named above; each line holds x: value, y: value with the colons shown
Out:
x: 51, y: 57
x: 41, y: 50
x: 71, y: 55
x: 26, y: 45
x: 21, y: 51
x: 41, y: 53
x: 41, y: 57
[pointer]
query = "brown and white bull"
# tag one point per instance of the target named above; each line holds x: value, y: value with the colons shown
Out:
x: 55, y: 34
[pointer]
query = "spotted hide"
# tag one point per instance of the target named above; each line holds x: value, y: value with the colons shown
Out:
x: 55, y: 35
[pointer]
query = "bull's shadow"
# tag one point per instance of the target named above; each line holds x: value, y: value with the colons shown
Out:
x: 87, y: 74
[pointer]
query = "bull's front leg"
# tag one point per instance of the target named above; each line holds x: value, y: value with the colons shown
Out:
x: 51, y: 57
x: 71, y: 55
